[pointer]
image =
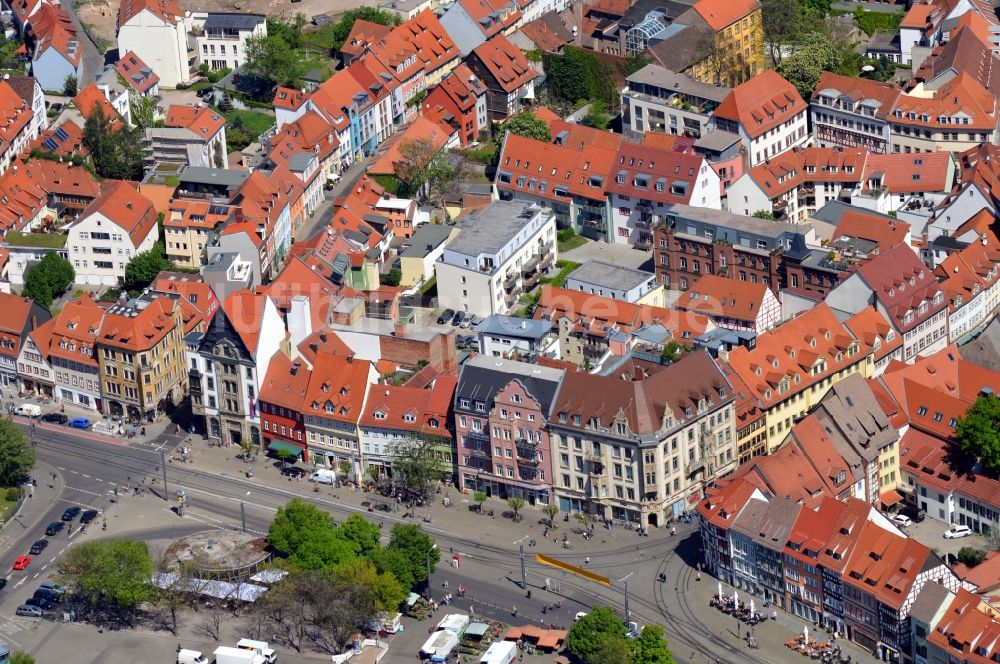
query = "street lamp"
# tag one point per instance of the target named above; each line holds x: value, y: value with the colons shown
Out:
x: 524, y: 571
x: 243, y: 512
x: 429, y: 565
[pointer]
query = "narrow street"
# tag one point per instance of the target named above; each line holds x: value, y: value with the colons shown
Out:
x: 93, y: 60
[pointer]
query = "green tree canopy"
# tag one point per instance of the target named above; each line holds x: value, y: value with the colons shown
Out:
x: 71, y: 86
x: 416, y: 464
x: 144, y: 268
x: 112, y: 575
x: 342, y: 29
x: 784, y: 24
x: 978, y: 432
x: 307, y: 536
x: 48, y: 278
x: 272, y: 58
x: 416, y: 546
x: 651, y: 647
x: 586, y: 640
x: 803, y: 68
x: 397, y: 563
x: 360, y: 533
x: 384, y: 588
x: 970, y: 556
x: 116, y: 151
x: 523, y: 124
x: 17, y: 456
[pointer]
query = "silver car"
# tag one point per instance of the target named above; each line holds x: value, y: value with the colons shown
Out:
x: 29, y: 611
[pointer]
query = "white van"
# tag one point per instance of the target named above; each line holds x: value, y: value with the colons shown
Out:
x: 191, y: 657
x: 324, y: 476
x: 29, y: 410
x: 259, y: 647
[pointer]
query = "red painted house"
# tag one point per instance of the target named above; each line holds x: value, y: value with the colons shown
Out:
x: 282, y: 393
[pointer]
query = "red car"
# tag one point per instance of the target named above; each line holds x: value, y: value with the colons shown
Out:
x: 22, y: 562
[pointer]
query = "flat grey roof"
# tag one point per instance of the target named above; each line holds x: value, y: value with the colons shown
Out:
x: 217, y: 176
x: 737, y: 222
x: 510, y: 326
x: 515, y: 367
x: 426, y: 238
x: 608, y: 275
x: 667, y: 78
x: 299, y: 161
x: 487, y: 230
x: 223, y: 21
x: 717, y: 140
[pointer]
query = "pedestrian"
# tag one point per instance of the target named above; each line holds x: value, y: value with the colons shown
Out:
x: 673, y: 530
x: 513, y: 611
x: 143, y: 431
x: 698, y: 577
x: 586, y: 561
x: 62, y: 408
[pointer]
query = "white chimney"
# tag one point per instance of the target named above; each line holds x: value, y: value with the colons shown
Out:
x: 299, y: 322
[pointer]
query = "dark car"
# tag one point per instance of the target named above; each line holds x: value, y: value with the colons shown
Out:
x: 459, y: 317
x: 445, y: 316
x: 54, y: 528
x: 204, y: 91
x: 38, y: 547
x: 294, y: 472
x: 70, y: 513
x: 40, y: 602
x: 48, y: 595
x: 88, y: 516
x: 55, y: 418
x: 3, y: 583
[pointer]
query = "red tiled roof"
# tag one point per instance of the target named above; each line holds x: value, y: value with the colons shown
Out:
x: 142, y: 331
x: 885, y: 565
x: 422, y: 36
x: 192, y: 288
x: 139, y: 76
x: 873, y: 329
x: 713, y: 296
x: 201, y: 121
x: 417, y: 410
x: 362, y: 34
x: 884, y: 95
x: 90, y: 98
x: 508, y: 65
x: 910, y: 173
x: 845, y: 536
x: 289, y: 98
x: 197, y: 213
x: 721, y: 13
x: 245, y: 310
x: 868, y: 225
x: 337, y: 388
x: 659, y: 169
x: 13, y: 322
x: 985, y: 576
x: 722, y: 505
x: 422, y: 131
x: 166, y: 10
x: 71, y: 145
x: 121, y: 203
x: 539, y: 32
x: 581, y: 168
x: 966, y: 273
x: 902, y: 284
x: 813, y: 529
x: 966, y: 627
x: 491, y: 16
x: 962, y: 96
x: 53, y: 27
x: 787, y: 354
x: 285, y: 383
x: 762, y: 103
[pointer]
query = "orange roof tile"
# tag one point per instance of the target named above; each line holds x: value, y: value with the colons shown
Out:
x: 762, y: 103
x: 901, y: 283
x: 418, y: 410
x: 362, y: 34
x: 868, y: 225
x: 13, y: 322
x: 491, y: 16
x: 90, y: 99
x: 883, y: 95
x: 713, y: 295
x: 201, y: 121
x: 659, y: 169
x: 289, y: 98
x: 192, y: 288
x: 285, y: 383
x: 141, y: 331
x: 52, y: 141
x: 139, y: 76
x: 721, y: 13
x: 197, y: 213
x: 53, y: 27
x: 873, y: 329
x: 337, y: 388
x: 508, y: 65
x: 580, y: 168
x: 123, y: 205
x: 960, y: 97
x: 166, y: 10
x: 422, y: 36
x: 423, y: 131
x: 245, y: 311
x: 966, y: 627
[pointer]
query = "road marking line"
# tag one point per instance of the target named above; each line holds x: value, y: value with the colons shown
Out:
x: 60, y: 468
x: 87, y: 476
x: 21, y: 582
x: 73, y: 488
x: 74, y: 472
x: 36, y: 575
x: 62, y: 551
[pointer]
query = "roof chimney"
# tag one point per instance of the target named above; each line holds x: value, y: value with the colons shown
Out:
x: 399, y: 330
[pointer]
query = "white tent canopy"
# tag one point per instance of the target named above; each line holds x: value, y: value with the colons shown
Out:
x: 245, y: 592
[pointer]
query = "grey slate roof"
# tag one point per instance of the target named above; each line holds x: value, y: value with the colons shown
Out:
x: 487, y: 230
x: 215, y: 176
x: 985, y: 349
x: 654, y: 74
x: 928, y: 601
x: 482, y: 377
x: 426, y: 238
x: 751, y: 518
x: 223, y: 21
x: 510, y: 326
x: 834, y: 210
x: 778, y: 522
x: 608, y: 275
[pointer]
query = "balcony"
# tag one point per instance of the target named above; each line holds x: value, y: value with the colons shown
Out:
x: 530, y: 265
x: 510, y: 300
x: 595, y: 469
x: 527, y: 443
x: 527, y: 460
x: 645, y: 242
x: 530, y: 281
x: 644, y: 221
x: 510, y: 283
x: 478, y: 451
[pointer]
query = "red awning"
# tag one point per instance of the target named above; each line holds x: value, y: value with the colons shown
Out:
x: 890, y: 498
x: 694, y: 497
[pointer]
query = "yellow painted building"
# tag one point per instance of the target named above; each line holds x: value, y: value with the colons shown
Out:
x: 736, y: 52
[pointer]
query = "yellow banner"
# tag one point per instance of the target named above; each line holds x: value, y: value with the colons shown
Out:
x: 572, y: 569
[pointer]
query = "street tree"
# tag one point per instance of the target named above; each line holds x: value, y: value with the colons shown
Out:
x: 418, y: 548
x: 398, y: 563
x: 271, y: 58
x: 479, y: 497
x: 71, y: 86
x: 17, y: 456
x: 144, y: 268
x: 784, y: 22
x: 361, y: 534
x: 524, y: 123
x: 551, y: 510
x: 383, y: 587
x: 611, y: 650
x: 306, y: 535
x: 586, y: 639
x: 651, y: 647
x: 111, y: 577
x: 142, y: 109
x: 516, y: 504
x: 978, y: 432
x: 417, y: 465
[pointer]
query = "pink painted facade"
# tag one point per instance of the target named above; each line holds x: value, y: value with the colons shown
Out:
x: 505, y: 452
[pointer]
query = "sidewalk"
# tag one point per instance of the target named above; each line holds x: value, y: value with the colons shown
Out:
x: 33, y: 508
x: 458, y: 519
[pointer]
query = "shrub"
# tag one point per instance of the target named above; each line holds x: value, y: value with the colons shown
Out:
x: 12, y: 495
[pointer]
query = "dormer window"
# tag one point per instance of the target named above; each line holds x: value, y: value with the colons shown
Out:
x: 409, y: 417
x: 379, y: 415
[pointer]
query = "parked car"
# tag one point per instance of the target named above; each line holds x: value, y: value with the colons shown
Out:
x: 49, y: 595
x: 458, y: 318
x: 3, y: 583
x: 52, y: 585
x: 79, y: 423
x: 293, y: 471
x: 465, y: 323
x: 203, y: 92
x: 29, y: 610
x: 324, y: 476
x: 54, y: 528
x: 957, y: 531
x: 445, y: 316
x: 22, y: 562
x: 55, y: 418
x: 88, y: 516
x: 40, y: 602
x: 70, y: 513
x: 902, y: 520
x: 38, y: 546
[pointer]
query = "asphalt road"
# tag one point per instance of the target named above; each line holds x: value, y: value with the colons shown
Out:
x: 490, y: 572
